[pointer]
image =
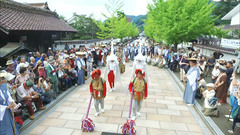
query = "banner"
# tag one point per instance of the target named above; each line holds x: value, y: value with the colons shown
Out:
x: 230, y: 43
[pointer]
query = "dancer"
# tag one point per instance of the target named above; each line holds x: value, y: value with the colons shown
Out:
x: 139, y: 88
x: 112, y: 72
x: 98, y: 90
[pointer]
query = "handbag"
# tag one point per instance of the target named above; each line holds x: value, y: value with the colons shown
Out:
x: 212, y: 102
x: 236, y: 114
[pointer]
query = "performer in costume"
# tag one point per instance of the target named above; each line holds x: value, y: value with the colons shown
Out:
x: 6, y: 104
x: 139, y: 63
x: 140, y: 91
x: 98, y: 89
x: 80, y: 67
x: 192, y: 77
x: 119, y: 55
x: 112, y: 72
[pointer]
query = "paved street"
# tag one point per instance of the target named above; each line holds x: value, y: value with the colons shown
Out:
x: 163, y: 112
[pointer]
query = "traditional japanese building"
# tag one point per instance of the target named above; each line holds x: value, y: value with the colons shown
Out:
x: 26, y: 27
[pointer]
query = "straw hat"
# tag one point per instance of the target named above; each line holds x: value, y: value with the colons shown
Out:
x: 9, y: 62
x: 72, y: 56
x: 193, y: 59
x: 22, y: 65
x: 39, y: 62
x: 80, y: 53
x: 9, y: 77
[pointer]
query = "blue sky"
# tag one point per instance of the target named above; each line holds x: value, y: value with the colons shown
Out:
x: 95, y: 7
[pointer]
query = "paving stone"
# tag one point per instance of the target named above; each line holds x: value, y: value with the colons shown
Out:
x: 188, y: 133
x: 174, y: 126
x: 155, y: 105
x: 53, y: 122
x: 66, y: 103
x: 173, y: 98
x: 194, y: 128
x: 38, y: 130
x: 58, y: 131
x: 159, y: 117
x: 143, y: 117
x: 186, y: 113
x: 147, y: 123
x: 71, y: 116
x: 148, y: 110
x: 183, y: 119
x: 168, y: 102
x: 104, y: 127
x: 154, y: 131
x: 73, y: 124
x: 169, y: 112
x: 120, y: 108
x: 114, y: 102
x: 54, y: 114
x: 177, y: 107
x: 99, y: 119
x: 66, y: 109
x: 112, y: 113
x: 116, y: 120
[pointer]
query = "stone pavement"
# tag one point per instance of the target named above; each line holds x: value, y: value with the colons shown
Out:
x: 163, y: 112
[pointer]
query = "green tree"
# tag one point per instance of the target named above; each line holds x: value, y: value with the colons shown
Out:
x: 85, y: 26
x: 116, y: 25
x: 177, y: 21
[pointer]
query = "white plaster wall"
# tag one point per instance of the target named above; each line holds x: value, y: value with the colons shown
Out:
x: 236, y: 19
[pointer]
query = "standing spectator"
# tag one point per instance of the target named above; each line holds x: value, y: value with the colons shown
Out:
x: 15, y: 61
x: 38, y: 57
x: 183, y: 66
x: 80, y: 64
x: 89, y: 61
x: 217, y: 55
x: 32, y: 62
x: 30, y: 54
x: 67, y: 47
x: 215, y: 73
x: 51, y: 73
x: 191, y: 87
x: 210, y: 65
x: 27, y: 95
x: 10, y: 67
x: 237, y: 66
x: 221, y: 85
x: 49, y: 53
x: 22, y: 77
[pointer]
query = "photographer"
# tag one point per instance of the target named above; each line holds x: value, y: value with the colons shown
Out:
x: 38, y: 84
x: 47, y: 89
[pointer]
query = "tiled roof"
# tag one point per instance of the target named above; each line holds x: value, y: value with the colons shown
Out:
x: 18, y: 16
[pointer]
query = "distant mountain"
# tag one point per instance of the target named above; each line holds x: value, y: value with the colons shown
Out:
x: 138, y: 20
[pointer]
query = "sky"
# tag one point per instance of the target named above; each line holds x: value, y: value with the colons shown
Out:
x: 95, y: 7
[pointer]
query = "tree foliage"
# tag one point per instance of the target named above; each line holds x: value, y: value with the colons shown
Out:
x: 116, y: 25
x: 85, y: 26
x: 177, y: 21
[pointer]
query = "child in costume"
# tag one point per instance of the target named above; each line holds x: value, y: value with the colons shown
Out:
x: 139, y: 88
x: 98, y: 89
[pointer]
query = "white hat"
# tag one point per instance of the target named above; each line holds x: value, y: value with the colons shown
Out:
x: 9, y: 62
x: 49, y: 48
x: 210, y: 85
x: 51, y: 59
x: 72, y: 56
x: 185, y: 54
x: 22, y: 65
x: 3, y: 75
x: 80, y: 53
x: 217, y: 65
x: 9, y: 77
x: 66, y: 56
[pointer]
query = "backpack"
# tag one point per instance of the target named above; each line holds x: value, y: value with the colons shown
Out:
x: 213, y: 101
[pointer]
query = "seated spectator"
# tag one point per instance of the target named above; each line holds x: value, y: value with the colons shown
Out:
x: 201, y: 66
x: 10, y: 67
x: 173, y: 63
x: 162, y: 62
x: 155, y: 60
x: 31, y: 73
x: 148, y: 59
x: 47, y: 89
x: 210, y: 106
x: 201, y: 85
x: 38, y: 88
x: 22, y: 77
x: 11, y: 86
x: 27, y: 95
x: 22, y: 63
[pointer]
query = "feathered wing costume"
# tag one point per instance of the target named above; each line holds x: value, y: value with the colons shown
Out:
x: 112, y: 71
x: 140, y: 63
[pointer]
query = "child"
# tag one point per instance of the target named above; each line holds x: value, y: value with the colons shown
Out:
x: 139, y: 88
x: 98, y: 90
x: 210, y: 106
x: 41, y: 70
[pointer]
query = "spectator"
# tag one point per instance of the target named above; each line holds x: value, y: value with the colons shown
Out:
x: 22, y: 77
x: 89, y: 61
x: 201, y: 85
x: 49, y: 53
x: 237, y: 66
x: 47, y: 89
x: 215, y: 73
x: 41, y: 70
x: 31, y: 73
x: 6, y: 119
x: 32, y: 62
x: 217, y: 55
x: 184, y: 65
x: 11, y: 87
x: 37, y: 87
x: 67, y: 47
x: 51, y: 73
x: 27, y: 95
x: 22, y: 63
x: 80, y: 65
x: 210, y: 65
x: 10, y: 67
x: 210, y: 107
x: 221, y: 85
x: 38, y: 57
